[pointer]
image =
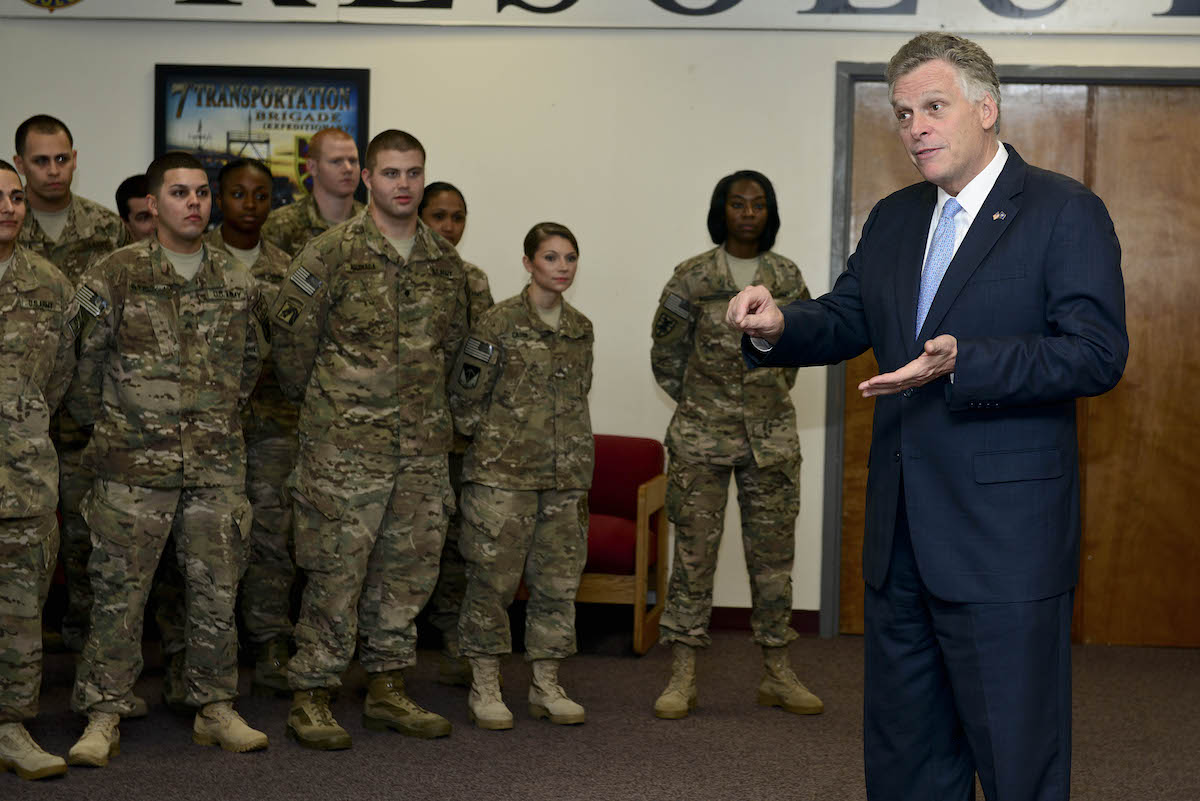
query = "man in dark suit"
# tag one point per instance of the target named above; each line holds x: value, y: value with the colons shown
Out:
x: 992, y: 296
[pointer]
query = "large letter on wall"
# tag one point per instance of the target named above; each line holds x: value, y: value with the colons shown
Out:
x: 398, y: 4
x: 1007, y: 8
x: 846, y: 7
x: 1182, y: 8
x: 716, y: 8
x: 563, y: 5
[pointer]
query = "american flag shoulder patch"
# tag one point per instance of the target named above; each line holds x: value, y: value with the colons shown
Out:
x: 479, y: 350
x: 91, y: 302
x: 678, y: 306
x: 308, y: 283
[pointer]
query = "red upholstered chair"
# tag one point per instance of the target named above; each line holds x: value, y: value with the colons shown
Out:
x: 627, y: 532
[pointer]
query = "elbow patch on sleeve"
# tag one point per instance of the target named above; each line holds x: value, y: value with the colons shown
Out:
x: 673, y: 318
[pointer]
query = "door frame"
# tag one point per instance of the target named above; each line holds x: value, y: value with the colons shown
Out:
x: 847, y: 75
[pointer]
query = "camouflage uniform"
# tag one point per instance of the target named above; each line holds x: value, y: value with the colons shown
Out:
x: 290, y: 227
x: 269, y: 425
x: 363, y: 340
x: 728, y: 418
x: 37, y: 357
x: 520, y: 388
x: 447, y: 598
x: 91, y: 231
x: 164, y: 366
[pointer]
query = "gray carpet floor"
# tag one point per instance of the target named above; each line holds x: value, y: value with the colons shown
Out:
x: 1136, y: 736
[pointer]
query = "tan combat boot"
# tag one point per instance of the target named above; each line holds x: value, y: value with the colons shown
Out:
x: 547, y: 698
x: 20, y: 754
x: 780, y: 687
x: 680, y: 696
x: 218, y: 724
x: 270, y: 670
x: 485, y: 705
x: 100, y: 741
x: 311, y: 724
x: 388, y: 707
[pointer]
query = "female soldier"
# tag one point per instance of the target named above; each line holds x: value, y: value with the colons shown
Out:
x: 444, y: 209
x: 520, y: 388
x: 729, y: 419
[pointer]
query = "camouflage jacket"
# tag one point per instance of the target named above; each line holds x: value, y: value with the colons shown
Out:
x: 268, y: 414
x: 91, y: 231
x: 290, y: 227
x: 725, y: 411
x: 364, y: 340
x: 165, y: 366
x: 37, y: 358
x: 479, y: 300
x: 520, y: 389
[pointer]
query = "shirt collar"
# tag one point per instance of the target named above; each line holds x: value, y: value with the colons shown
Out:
x: 973, y: 195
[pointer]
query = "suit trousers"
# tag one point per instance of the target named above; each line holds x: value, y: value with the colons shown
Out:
x: 955, y: 689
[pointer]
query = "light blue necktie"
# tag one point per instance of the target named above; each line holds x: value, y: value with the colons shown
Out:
x: 941, y: 250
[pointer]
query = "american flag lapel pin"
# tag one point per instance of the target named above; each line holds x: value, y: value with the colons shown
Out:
x: 998, y: 215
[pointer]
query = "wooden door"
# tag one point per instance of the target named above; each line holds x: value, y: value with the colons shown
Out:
x: 1140, y: 550
x: 1139, y: 444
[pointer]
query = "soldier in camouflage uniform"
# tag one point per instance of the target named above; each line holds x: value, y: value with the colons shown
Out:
x: 269, y: 425
x: 729, y: 420
x: 71, y: 232
x: 37, y: 357
x: 171, y: 346
x: 364, y: 330
x: 520, y: 387
x: 333, y: 164
x: 444, y: 209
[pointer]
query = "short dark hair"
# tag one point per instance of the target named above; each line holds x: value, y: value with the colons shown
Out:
x: 238, y: 164
x: 6, y: 167
x: 43, y: 124
x: 391, y: 139
x: 436, y: 188
x: 132, y: 187
x: 543, y: 231
x: 717, y: 227
x: 171, y: 160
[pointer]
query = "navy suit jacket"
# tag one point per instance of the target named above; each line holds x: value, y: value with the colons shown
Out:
x: 990, y: 465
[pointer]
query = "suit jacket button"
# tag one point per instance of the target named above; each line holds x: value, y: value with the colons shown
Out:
x: 896, y: 456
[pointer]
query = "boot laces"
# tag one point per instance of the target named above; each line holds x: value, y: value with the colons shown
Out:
x: 223, y: 713
x: 99, y: 725
x: 318, y: 710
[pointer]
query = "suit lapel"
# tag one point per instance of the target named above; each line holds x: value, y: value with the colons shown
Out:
x: 910, y: 258
x: 996, y: 214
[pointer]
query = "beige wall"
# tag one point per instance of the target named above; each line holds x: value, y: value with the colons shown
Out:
x: 620, y: 134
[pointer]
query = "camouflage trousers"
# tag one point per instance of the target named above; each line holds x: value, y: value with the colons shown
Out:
x: 446, y: 601
x: 769, y: 500
x: 74, y: 481
x: 369, y: 530
x: 28, y: 547
x: 267, y: 585
x: 130, y: 526
x: 509, y: 533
